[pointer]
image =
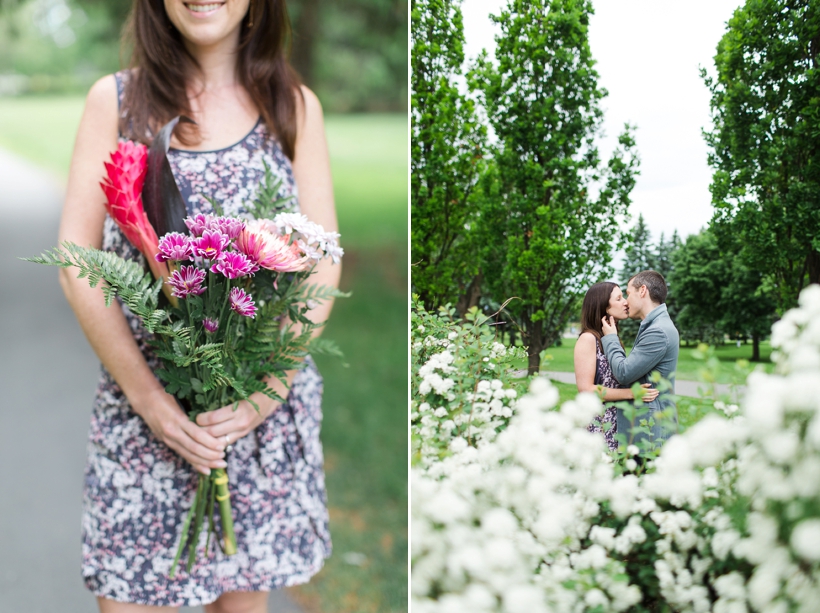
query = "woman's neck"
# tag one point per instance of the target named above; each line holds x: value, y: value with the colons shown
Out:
x: 217, y: 64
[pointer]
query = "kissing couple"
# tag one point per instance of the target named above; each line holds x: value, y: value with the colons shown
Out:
x: 601, y: 363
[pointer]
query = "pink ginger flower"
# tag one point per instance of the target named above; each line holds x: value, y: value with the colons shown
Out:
x: 270, y: 250
x: 211, y: 325
x: 233, y: 265
x: 211, y: 244
x: 242, y: 303
x: 174, y: 246
x: 125, y: 176
x: 186, y: 281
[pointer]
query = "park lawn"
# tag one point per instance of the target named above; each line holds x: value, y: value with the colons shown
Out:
x: 560, y: 359
x: 41, y: 129
x: 365, y: 403
x: 690, y: 410
x: 368, y: 155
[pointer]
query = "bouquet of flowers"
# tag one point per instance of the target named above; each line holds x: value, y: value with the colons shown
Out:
x: 236, y: 307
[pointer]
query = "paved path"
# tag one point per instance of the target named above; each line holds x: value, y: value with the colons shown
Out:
x: 682, y: 387
x: 48, y: 374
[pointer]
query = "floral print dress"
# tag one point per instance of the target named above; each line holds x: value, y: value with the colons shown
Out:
x: 137, y: 491
x: 604, y: 376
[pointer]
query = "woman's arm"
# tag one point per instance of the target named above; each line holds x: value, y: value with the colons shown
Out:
x: 585, y: 365
x: 106, y: 327
x: 311, y: 169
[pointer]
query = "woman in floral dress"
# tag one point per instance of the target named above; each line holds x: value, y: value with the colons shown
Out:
x: 222, y: 64
x: 592, y: 371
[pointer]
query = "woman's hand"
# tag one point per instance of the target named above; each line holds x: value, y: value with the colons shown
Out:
x: 608, y: 324
x: 650, y: 394
x: 170, y: 425
x: 228, y: 425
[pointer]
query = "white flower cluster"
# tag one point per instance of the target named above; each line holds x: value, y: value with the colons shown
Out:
x: 312, y: 238
x: 458, y: 406
x: 501, y: 526
x: 534, y: 519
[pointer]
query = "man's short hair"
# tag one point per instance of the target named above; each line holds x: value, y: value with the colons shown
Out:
x: 654, y: 282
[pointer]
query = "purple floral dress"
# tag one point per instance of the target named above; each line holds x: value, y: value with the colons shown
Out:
x: 137, y: 491
x: 603, y: 376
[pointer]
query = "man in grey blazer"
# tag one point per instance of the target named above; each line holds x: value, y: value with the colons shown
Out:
x: 656, y: 349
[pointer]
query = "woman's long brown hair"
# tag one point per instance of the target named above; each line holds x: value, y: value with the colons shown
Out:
x: 161, y: 67
x: 593, y: 310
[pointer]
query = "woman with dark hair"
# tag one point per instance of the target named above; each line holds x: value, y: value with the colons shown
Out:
x: 592, y: 371
x: 223, y: 64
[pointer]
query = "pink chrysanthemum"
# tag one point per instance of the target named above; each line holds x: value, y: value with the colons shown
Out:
x: 199, y: 223
x: 233, y: 264
x: 174, y: 246
x: 229, y: 226
x: 270, y: 250
x: 211, y: 244
x: 242, y: 303
x: 211, y: 325
x: 186, y: 281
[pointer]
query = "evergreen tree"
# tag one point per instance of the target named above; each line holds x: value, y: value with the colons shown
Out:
x: 664, y: 264
x: 639, y: 255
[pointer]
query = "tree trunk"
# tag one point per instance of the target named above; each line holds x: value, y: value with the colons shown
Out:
x: 305, y: 33
x: 470, y: 297
x: 814, y: 266
x: 533, y: 361
x: 755, y: 347
x: 536, y: 345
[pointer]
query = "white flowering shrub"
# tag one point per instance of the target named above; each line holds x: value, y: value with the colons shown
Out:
x: 535, y: 518
x: 462, y: 389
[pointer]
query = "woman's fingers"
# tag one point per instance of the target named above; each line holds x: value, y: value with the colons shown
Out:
x: 224, y: 421
x: 201, y: 437
x: 187, y: 441
x: 211, y: 418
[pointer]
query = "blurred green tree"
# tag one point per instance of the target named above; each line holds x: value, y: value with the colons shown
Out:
x: 551, y: 230
x: 353, y: 53
x: 446, y: 144
x: 719, y: 295
x: 766, y: 123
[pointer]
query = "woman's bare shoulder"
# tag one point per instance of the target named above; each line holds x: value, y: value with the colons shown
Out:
x: 102, y: 97
x: 308, y: 108
x: 587, y: 339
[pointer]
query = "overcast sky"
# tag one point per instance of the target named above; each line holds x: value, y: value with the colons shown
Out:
x: 648, y: 54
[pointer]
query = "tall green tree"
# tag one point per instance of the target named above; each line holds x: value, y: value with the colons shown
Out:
x: 446, y: 147
x: 764, y: 143
x: 550, y: 229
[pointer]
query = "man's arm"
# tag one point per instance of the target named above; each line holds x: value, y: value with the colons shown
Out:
x: 645, y: 356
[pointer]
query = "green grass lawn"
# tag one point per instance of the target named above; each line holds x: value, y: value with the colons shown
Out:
x: 41, y: 129
x: 560, y: 359
x: 365, y: 402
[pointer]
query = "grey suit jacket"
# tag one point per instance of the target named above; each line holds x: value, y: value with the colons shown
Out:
x: 656, y: 349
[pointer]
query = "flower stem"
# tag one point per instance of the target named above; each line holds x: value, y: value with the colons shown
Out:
x: 223, y: 499
x: 184, y: 538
